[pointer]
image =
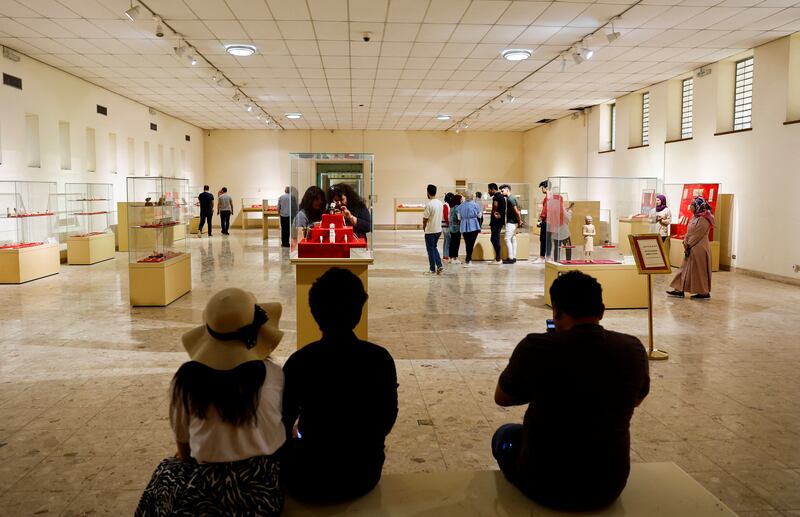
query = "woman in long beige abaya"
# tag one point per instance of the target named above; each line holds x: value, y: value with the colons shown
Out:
x: 695, y: 274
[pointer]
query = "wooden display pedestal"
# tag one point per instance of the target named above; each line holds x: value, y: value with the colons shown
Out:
x: 194, y: 225
x: 267, y: 223
x: 90, y: 249
x: 483, y: 246
x: 631, y: 226
x: 623, y: 286
x: 161, y: 283
x: 676, y: 253
x: 23, y: 265
x: 308, y: 270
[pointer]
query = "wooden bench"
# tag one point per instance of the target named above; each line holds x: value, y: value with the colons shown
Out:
x: 653, y: 490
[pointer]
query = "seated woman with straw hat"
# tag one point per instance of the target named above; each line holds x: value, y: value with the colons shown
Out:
x: 225, y: 410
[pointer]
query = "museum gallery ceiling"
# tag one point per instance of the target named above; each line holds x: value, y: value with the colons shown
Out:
x: 424, y: 58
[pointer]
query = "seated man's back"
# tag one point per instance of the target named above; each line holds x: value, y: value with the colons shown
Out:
x: 582, y: 384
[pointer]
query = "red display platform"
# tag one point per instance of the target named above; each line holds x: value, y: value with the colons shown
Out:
x: 20, y: 246
x: 159, y: 257
x: 709, y: 192
x: 585, y: 262
x: 319, y: 244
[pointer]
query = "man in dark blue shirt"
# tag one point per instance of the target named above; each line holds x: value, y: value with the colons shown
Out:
x: 206, y: 200
x: 581, y: 384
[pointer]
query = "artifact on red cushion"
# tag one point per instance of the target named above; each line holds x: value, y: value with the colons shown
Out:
x: 164, y: 224
x: 90, y: 213
x: 90, y: 234
x: 255, y: 206
x: 26, y: 214
x: 20, y: 245
x: 156, y: 257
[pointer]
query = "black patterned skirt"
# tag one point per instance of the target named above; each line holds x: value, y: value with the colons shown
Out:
x: 247, y: 487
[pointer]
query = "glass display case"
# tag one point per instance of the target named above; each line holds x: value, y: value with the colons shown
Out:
x: 92, y: 206
x: 626, y: 202
x: 27, y: 215
x: 336, y: 219
x: 156, y: 206
x: 410, y: 205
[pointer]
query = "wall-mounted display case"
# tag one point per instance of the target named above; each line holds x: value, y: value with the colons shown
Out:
x: 91, y: 205
x: 28, y: 247
x: 159, y: 263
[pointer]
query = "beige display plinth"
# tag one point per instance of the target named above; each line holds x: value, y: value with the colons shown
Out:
x: 159, y: 284
x: 308, y: 270
x: 407, y: 210
x: 266, y: 224
x: 247, y: 221
x: 631, y: 226
x: 194, y: 225
x: 145, y: 214
x: 90, y: 249
x: 623, y: 286
x: 483, y: 246
x: 23, y: 265
x: 676, y: 253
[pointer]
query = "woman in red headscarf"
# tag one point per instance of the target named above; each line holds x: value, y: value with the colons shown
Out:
x: 695, y: 274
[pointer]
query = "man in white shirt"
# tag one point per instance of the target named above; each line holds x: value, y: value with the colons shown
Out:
x: 432, y: 225
x: 285, y: 210
x: 225, y: 209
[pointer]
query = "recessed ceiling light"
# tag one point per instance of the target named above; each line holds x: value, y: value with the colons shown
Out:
x: 442, y: 117
x: 240, y: 50
x: 516, y: 54
x: 293, y: 116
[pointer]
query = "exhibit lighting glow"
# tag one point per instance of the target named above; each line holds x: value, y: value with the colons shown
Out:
x: 587, y: 53
x: 133, y: 13
x: 192, y: 60
x: 293, y: 116
x: 442, y: 117
x: 240, y: 50
x: 516, y: 54
x: 248, y: 107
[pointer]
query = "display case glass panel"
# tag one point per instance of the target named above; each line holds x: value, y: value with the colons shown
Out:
x: 26, y: 214
x: 194, y: 201
x: 335, y: 209
x: 92, y: 207
x: 621, y: 197
x: 156, y: 206
x: 681, y: 215
x: 520, y: 191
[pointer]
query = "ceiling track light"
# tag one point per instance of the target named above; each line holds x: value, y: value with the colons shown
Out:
x: 180, y: 50
x: 192, y: 60
x: 133, y: 13
x: 510, y: 98
x: 576, y: 56
x: 237, y: 97
x: 248, y: 107
x: 613, y: 35
x: 587, y: 53
x: 563, y: 66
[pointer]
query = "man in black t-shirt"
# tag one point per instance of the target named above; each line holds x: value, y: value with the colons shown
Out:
x: 581, y: 383
x: 497, y: 220
x: 206, y: 200
x: 343, y: 394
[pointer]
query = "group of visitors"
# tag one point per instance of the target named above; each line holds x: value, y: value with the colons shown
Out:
x: 344, y: 198
x: 247, y: 430
x: 462, y: 215
x: 224, y: 210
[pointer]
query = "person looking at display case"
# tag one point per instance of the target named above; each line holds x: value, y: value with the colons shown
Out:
x: 581, y: 384
x: 224, y: 210
x: 469, y: 225
x: 355, y: 211
x: 432, y: 226
x: 312, y: 206
x: 206, y: 200
x: 225, y: 411
x: 544, y: 238
x: 342, y: 394
x: 661, y: 216
x: 455, y: 228
x: 513, y: 221
x: 479, y: 202
x: 497, y: 219
x: 695, y: 274
x: 446, y: 226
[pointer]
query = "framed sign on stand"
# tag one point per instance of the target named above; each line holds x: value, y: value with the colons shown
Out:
x: 651, y: 259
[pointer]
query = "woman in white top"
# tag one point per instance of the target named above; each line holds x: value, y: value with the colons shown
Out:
x: 661, y: 217
x: 225, y: 411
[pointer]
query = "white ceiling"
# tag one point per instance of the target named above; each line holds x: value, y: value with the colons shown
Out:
x: 426, y: 56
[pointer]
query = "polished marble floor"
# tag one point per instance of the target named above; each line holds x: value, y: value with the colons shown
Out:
x: 84, y: 377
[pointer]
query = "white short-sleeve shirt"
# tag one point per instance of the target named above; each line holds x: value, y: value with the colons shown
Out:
x: 433, y: 213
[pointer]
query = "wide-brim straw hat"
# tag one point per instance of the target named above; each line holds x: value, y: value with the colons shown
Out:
x: 232, y: 332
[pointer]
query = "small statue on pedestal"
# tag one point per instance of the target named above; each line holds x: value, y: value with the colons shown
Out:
x: 588, y: 238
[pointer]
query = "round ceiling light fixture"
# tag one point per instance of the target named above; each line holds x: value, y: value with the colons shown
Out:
x: 240, y: 50
x: 442, y: 117
x: 293, y: 116
x: 516, y: 54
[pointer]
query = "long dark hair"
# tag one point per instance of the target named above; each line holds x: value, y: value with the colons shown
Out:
x: 354, y: 201
x: 307, y: 204
x: 235, y: 393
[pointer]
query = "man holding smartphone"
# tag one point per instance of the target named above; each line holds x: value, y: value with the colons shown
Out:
x: 581, y: 383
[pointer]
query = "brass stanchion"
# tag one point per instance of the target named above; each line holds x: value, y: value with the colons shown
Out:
x: 653, y: 354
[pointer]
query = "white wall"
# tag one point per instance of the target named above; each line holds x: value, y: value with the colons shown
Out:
x: 55, y: 96
x: 253, y: 163
x: 760, y: 167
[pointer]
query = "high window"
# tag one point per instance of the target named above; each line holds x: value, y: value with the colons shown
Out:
x: 646, y: 118
x: 743, y: 95
x: 687, y: 107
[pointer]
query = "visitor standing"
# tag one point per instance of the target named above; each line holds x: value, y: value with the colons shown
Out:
x: 206, y: 200
x: 455, y: 229
x: 355, y: 210
x: 661, y: 216
x: 285, y: 213
x: 479, y: 202
x: 513, y: 221
x: 224, y: 210
x: 544, y: 239
x: 581, y: 384
x: 432, y: 226
x: 342, y: 394
x: 695, y: 274
x: 469, y: 225
x: 225, y: 411
x: 446, y: 226
x: 497, y: 219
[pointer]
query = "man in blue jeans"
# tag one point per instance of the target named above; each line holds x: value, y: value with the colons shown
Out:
x: 497, y: 220
x: 432, y: 225
x: 581, y: 384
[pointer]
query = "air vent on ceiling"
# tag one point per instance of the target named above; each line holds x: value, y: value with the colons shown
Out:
x: 153, y: 127
x: 10, y: 80
x: 545, y: 121
x: 102, y: 110
x: 188, y: 138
